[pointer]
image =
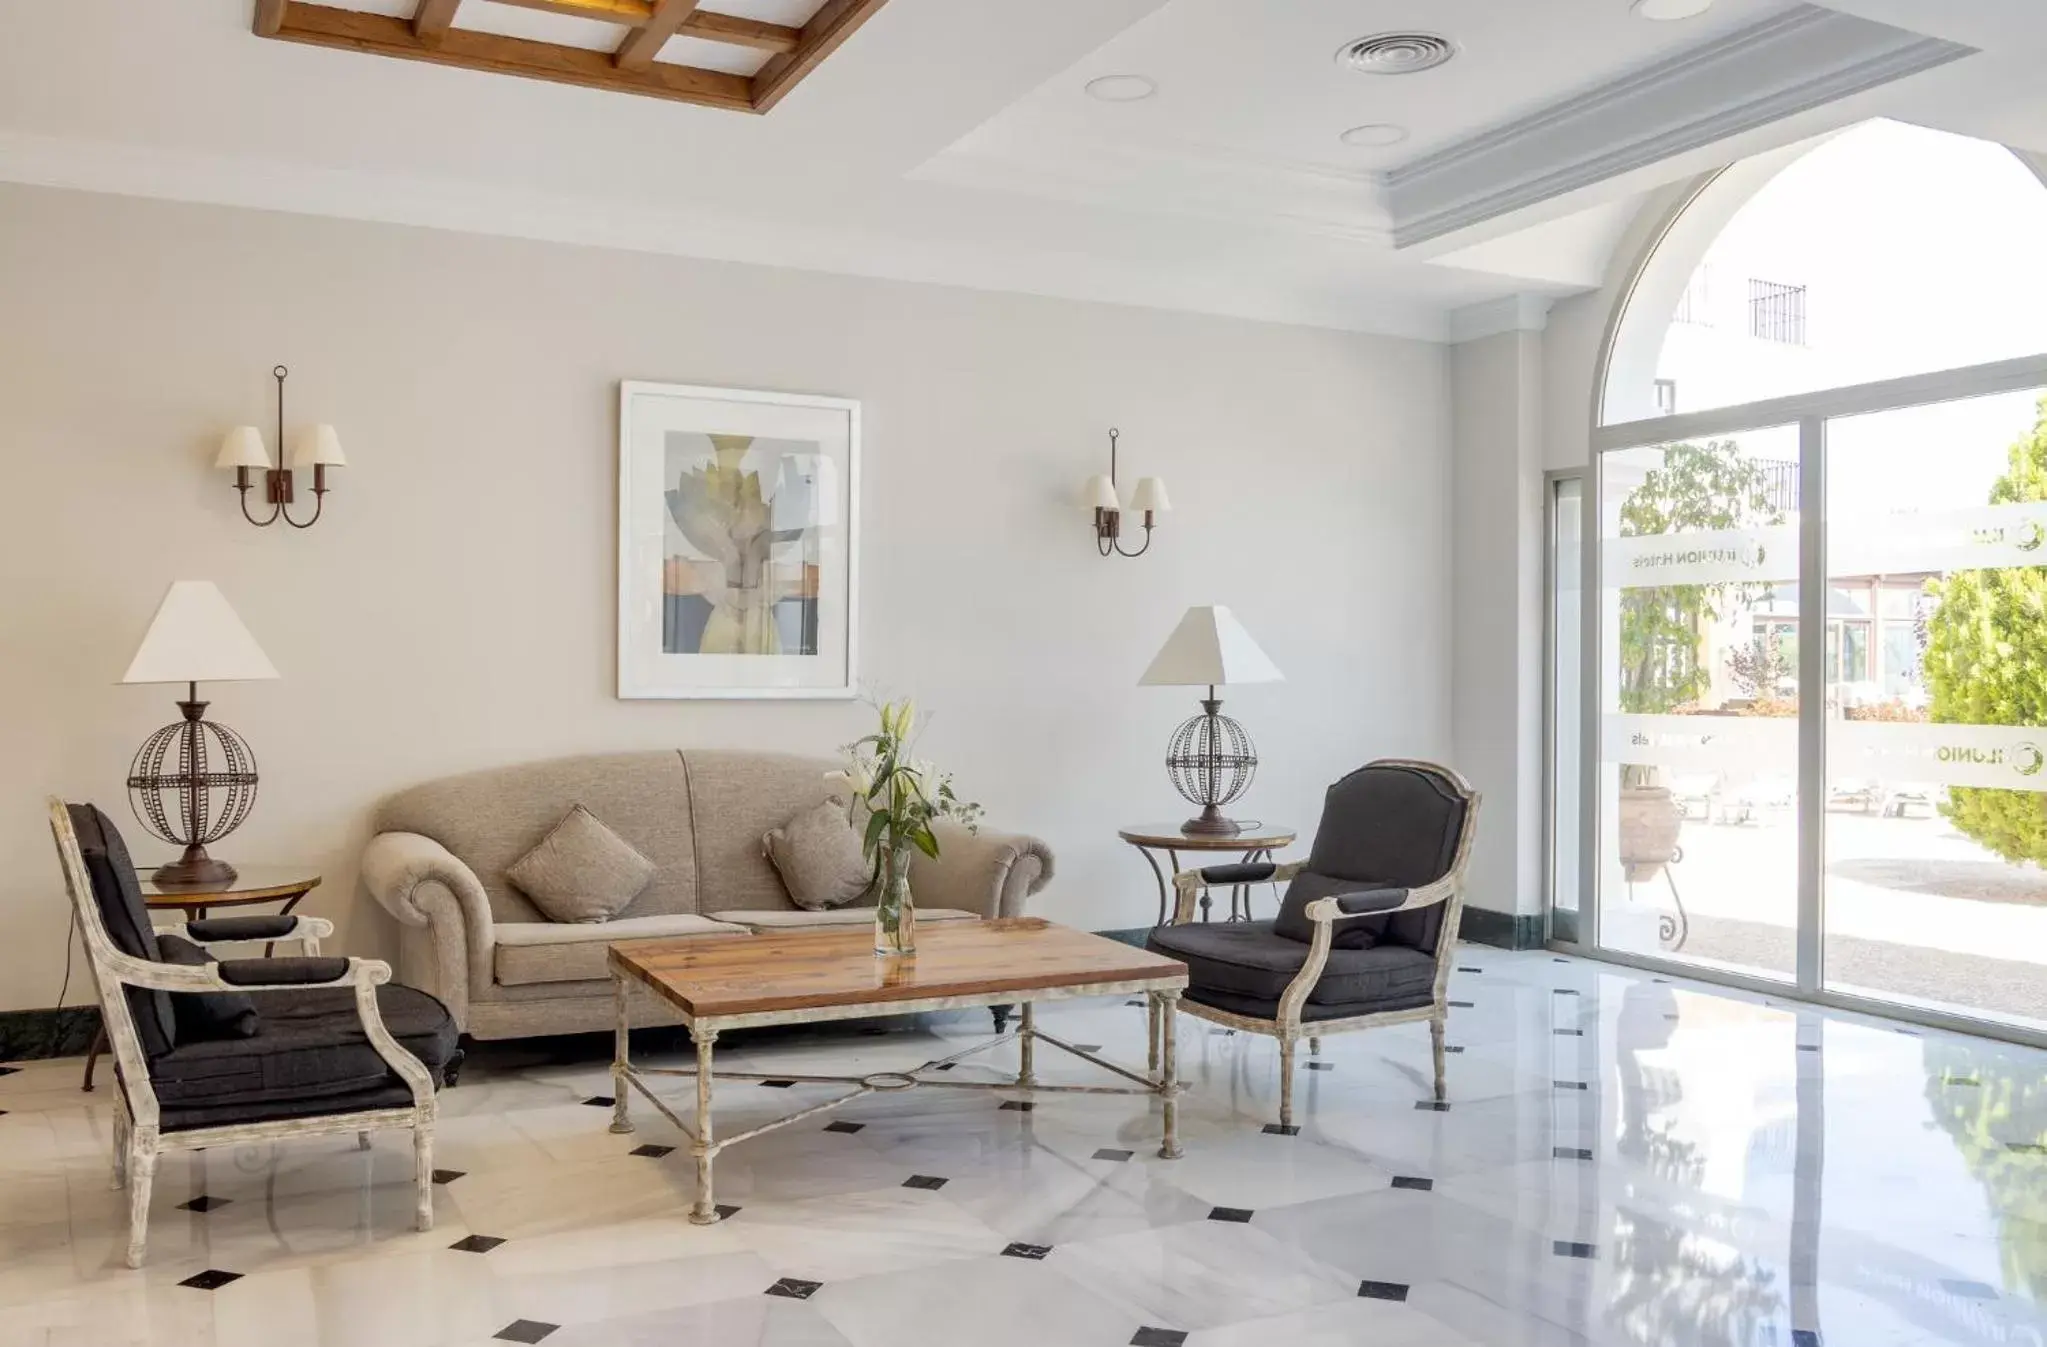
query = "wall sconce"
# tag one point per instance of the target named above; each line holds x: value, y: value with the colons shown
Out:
x: 1100, y: 495
x: 318, y: 448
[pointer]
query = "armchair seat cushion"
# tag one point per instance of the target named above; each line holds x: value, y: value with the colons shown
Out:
x: 309, y: 1055
x: 1245, y: 959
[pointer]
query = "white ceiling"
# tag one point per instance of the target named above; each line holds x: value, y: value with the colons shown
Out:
x: 950, y: 140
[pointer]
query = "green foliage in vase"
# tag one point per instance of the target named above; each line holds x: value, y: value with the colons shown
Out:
x: 896, y: 797
x: 1986, y: 663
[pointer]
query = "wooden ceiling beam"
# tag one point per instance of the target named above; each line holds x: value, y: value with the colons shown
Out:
x: 772, y: 38
x: 432, y: 20
x: 645, y: 42
x: 830, y: 26
x: 382, y: 35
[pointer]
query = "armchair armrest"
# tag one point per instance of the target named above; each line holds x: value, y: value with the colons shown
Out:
x: 396, y: 865
x: 1362, y: 903
x: 1188, y: 884
x: 309, y: 931
x: 247, y: 973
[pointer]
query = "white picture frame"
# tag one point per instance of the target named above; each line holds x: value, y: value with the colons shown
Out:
x: 738, y: 543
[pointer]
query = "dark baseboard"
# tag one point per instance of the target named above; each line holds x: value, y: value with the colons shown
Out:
x: 29, y: 1035
x: 1507, y: 930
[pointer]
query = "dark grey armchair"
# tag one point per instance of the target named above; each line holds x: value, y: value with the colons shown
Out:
x: 322, y: 1046
x: 1365, y: 934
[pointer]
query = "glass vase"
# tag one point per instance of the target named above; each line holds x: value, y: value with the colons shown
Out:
x: 895, y: 914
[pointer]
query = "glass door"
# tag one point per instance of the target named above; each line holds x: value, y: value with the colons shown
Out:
x: 1936, y: 708
x: 1698, y: 748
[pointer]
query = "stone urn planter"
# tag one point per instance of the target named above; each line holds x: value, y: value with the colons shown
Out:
x: 1650, y: 819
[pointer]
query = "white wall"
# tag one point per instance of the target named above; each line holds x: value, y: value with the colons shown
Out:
x: 454, y: 609
x: 1497, y: 639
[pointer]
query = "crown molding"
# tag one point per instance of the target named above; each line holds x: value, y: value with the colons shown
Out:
x: 1794, y: 62
x: 1508, y: 313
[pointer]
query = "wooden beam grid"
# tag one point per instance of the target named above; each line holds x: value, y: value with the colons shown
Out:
x: 631, y: 67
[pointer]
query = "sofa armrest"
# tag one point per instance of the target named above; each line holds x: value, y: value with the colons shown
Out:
x: 424, y: 885
x: 988, y: 872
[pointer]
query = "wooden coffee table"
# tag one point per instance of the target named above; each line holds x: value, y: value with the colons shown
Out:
x: 808, y: 976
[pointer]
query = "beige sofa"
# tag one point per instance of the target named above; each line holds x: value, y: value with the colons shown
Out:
x: 437, y: 863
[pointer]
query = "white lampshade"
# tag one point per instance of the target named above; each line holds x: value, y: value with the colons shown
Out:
x: 242, y: 447
x: 1210, y: 648
x: 196, y: 638
x: 1100, y: 494
x: 1150, y: 496
x: 318, y: 446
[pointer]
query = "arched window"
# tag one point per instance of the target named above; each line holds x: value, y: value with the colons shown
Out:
x: 1885, y: 251
x: 1817, y: 734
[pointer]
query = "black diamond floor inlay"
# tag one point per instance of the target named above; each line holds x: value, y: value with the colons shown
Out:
x: 1418, y: 1185
x: 1564, y: 991
x: 1382, y: 1290
x: 1566, y: 1248
x: 1808, y: 1047
x: 1034, y: 1252
x: 1018, y: 1105
x: 1137, y: 1002
x: 1465, y: 968
x: 777, y: 1084
x: 653, y: 1152
x: 1158, y: 1337
x: 795, y: 1288
x: 600, y: 1101
x: 947, y: 1066
x: 1571, y: 1153
x: 476, y: 1243
x: 524, y: 1330
x: 843, y: 1126
x: 1282, y: 1129
x: 1570, y: 1085
x: 1462, y: 1005
x: 211, y: 1280
x: 928, y: 1182
x: 1087, y: 1047
x: 1322, y: 1066
x: 1568, y: 1033
x: 1433, y: 1106
x: 1452, y: 1047
x: 1968, y: 1289
x: 1237, y: 1215
x: 448, y: 1175
x: 725, y: 1213
x: 1804, y: 1337
x: 1107, y: 1153
x: 204, y: 1203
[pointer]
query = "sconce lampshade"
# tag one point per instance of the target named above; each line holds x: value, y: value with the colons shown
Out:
x: 318, y: 447
x: 1150, y: 496
x: 242, y: 447
x: 1100, y: 494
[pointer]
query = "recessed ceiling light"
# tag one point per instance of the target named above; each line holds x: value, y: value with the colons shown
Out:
x: 1374, y: 135
x: 1121, y: 88
x: 1396, y: 53
x: 1665, y: 10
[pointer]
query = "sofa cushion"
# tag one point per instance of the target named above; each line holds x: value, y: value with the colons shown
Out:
x: 581, y: 871
x: 1245, y: 959
x: 206, y: 1014
x: 309, y: 1055
x: 735, y: 798
x: 490, y: 819
x: 835, y: 918
x: 818, y: 856
x: 547, y: 951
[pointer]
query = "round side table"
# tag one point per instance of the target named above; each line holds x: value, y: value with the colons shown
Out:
x: 1253, y: 844
x: 251, y: 885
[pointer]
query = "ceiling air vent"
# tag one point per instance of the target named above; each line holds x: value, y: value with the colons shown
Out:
x: 1396, y: 53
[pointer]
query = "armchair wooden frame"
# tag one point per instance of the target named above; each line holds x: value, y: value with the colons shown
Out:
x: 1287, y: 1025
x: 138, y: 1136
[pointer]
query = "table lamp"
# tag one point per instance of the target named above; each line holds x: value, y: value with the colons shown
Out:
x: 195, y: 781
x: 1210, y: 759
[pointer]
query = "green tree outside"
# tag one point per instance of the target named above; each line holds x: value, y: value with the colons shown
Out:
x: 1986, y: 664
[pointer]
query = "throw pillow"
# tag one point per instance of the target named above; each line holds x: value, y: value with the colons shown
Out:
x: 581, y: 871
x: 1291, y: 921
x: 818, y: 855
x: 205, y: 1015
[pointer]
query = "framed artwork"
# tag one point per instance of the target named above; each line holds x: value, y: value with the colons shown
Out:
x: 738, y: 558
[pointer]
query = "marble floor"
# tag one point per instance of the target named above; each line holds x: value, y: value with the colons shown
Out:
x: 1624, y: 1160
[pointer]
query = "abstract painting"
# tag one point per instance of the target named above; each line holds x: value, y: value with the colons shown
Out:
x: 736, y: 542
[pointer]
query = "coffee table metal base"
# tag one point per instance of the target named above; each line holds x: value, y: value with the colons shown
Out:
x: 1160, y: 1078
